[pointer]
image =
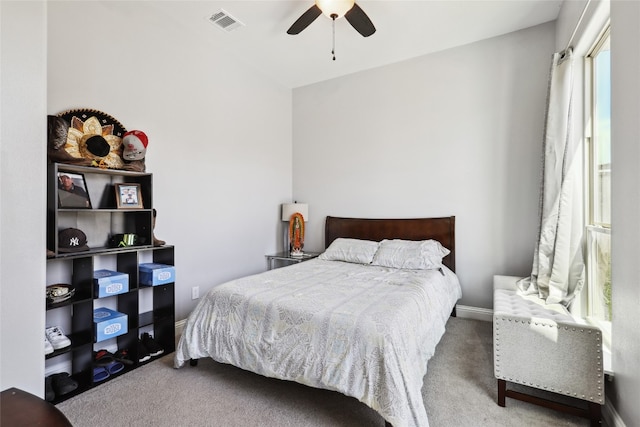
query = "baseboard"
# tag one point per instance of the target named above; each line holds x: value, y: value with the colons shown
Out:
x: 180, y: 327
x: 610, y: 416
x: 476, y: 313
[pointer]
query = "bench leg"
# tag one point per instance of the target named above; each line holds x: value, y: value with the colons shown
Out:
x: 595, y: 414
x: 502, y: 392
x: 592, y: 413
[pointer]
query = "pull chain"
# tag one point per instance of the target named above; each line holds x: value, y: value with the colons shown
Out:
x: 333, y: 46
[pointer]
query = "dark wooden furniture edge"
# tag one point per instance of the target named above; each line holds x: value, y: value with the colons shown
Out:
x: 20, y: 408
x: 440, y: 229
x: 593, y: 413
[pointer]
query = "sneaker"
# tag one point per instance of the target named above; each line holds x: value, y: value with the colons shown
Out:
x: 57, y: 338
x: 48, y: 348
x: 151, y: 345
x: 143, y: 353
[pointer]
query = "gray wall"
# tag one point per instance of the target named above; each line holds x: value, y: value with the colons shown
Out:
x: 625, y: 234
x: 23, y: 197
x: 219, y: 133
x: 457, y: 132
x: 220, y: 149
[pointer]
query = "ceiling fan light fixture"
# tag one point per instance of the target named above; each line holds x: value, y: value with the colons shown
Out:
x: 335, y: 7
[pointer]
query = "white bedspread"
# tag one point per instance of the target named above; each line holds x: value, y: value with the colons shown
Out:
x: 364, y: 331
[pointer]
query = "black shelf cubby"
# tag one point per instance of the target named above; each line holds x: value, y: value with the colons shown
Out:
x: 99, y: 223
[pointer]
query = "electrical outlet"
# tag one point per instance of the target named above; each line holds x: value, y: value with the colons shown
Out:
x: 195, y: 292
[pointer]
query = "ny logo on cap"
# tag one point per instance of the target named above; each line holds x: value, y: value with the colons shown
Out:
x: 74, y: 241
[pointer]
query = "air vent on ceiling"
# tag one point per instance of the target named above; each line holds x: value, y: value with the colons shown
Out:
x: 224, y: 21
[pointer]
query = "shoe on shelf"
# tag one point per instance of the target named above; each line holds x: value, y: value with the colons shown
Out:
x: 100, y: 373
x: 48, y: 348
x: 122, y: 356
x: 62, y: 383
x: 49, y: 394
x: 143, y: 353
x: 151, y: 345
x: 104, y: 359
x: 115, y: 367
x: 57, y: 338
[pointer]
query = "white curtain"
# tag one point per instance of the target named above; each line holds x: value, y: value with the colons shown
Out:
x: 557, y: 275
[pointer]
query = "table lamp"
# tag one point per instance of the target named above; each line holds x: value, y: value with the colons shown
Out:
x: 296, y: 214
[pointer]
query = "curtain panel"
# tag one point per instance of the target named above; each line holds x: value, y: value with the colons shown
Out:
x: 557, y: 275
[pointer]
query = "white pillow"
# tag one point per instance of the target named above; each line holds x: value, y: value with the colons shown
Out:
x: 350, y: 250
x: 410, y: 254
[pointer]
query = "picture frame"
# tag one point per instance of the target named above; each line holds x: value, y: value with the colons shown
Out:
x: 128, y: 196
x: 72, y: 191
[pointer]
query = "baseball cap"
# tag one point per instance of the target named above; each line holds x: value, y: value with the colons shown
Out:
x: 72, y: 240
x: 135, y: 144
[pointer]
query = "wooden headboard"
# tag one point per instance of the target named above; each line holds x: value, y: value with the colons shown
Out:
x: 440, y: 229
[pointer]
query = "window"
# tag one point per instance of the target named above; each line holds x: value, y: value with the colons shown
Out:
x: 599, y: 182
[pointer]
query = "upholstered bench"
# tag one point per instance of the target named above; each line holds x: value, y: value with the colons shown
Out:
x: 544, y: 347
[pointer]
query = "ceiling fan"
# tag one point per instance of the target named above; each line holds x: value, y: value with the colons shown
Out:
x: 335, y: 9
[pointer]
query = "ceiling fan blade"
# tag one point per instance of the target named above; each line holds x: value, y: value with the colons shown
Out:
x: 360, y: 21
x: 305, y: 20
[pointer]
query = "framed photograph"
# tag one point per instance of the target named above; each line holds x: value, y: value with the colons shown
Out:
x: 72, y: 191
x: 128, y: 196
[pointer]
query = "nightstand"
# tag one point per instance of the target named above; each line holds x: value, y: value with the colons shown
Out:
x: 285, y: 257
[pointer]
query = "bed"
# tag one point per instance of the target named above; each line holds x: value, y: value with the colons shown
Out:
x: 349, y: 321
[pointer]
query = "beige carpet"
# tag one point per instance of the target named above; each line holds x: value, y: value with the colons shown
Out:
x: 459, y: 391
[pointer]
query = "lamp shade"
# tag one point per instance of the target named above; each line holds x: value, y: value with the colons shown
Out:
x: 289, y: 209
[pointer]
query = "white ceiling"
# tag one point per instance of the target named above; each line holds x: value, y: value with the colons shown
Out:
x: 405, y: 29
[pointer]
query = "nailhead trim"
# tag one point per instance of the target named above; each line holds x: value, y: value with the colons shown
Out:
x: 598, y: 348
